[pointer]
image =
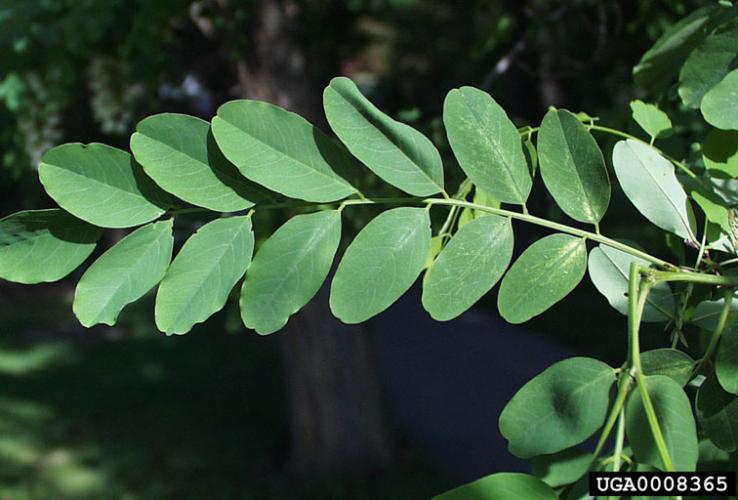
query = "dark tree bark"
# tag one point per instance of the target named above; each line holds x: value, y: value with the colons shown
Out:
x: 336, y: 421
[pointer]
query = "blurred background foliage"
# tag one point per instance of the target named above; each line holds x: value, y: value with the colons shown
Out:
x: 126, y: 413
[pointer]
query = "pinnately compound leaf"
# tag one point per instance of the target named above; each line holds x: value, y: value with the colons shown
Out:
x: 179, y: 153
x: 572, y: 167
x: 502, y: 486
x: 396, y: 152
x: 655, y: 122
x: 288, y: 270
x: 670, y: 362
x: 726, y: 362
x: 649, y: 181
x: 608, y: 270
x: 101, y: 185
x: 38, y: 246
x: 717, y: 413
x: 674, y: 414
x: 544, y: 274
x: 203, y: 274
x: 468, y: 267
x: 487, y: 145
x: 382, y: 262
x: 720, y: 104
x: 558, y: 408
x: 123, y: 274
x: 282, y: 151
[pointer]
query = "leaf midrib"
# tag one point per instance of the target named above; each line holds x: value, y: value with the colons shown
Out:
x: 337, y: 179
x: 228, y: 247
x: 368, y: 118
x: 495, y: 146
x: 661, y: 189
x: 561, y: 260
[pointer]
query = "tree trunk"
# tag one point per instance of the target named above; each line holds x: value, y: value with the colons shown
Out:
x: 336, y: 418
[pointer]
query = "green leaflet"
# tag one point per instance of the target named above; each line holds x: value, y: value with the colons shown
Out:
x: 608, y: 270
x: 123, y: 274
x: 714, y: 459
x: 282, y: 151
x: 288, y: 270
x: 558, y: 408
x: 101, y: 185
x: 712, y: 205
x: 720, y: 104
x: 396, y: 152
x: 658, y: 65
x: 562, y: 468
x: 720, y: 151
x: 382, y: 262
x: 726, y: 362
x: 717, y: 413
x: 203, y: 274
x: 38, y: 246
x: 502, y: 486
x: 468, y: 267
x: 655, y: 122
x: 544, y: 274
x: 649, y: 181
x: 487, y: 145
x: 669, y: 362
x: 572, y: 167
x: 179, y: 153
x: 714, y: 58
x: 707, y: 312
x: 674, y: 413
